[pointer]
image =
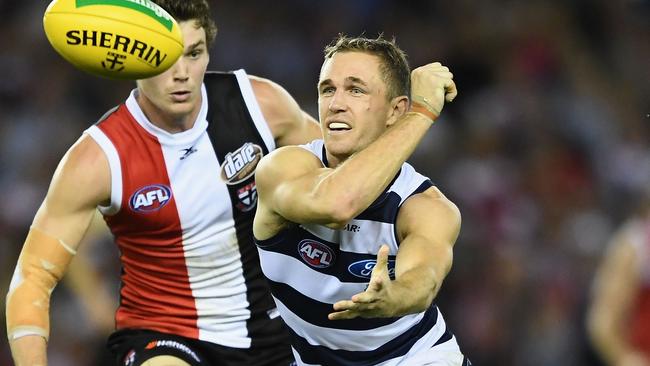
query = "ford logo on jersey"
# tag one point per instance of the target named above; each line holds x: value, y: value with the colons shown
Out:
x: 316, y: 254
x: 363, y: 269
x: 150, y: 198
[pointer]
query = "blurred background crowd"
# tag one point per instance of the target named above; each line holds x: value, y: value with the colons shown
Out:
x: 545, y: 151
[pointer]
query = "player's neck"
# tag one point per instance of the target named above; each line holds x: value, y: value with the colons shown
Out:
x: 174, y: 124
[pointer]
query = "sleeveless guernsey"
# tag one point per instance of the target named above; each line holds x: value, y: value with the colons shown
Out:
x: 181, y: 212
x: 310, y: 267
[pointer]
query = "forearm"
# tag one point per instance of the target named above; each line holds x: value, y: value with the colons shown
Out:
x: 368, y: 172
x: 424, y: 258
x: 40, y: 266
x: 29, y: 351
x: 414, y: 291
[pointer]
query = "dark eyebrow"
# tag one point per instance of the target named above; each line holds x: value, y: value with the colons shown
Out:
x: 351, y: 79
x: 356, y: 80
x: 196, y: 44
x: 324, y: 82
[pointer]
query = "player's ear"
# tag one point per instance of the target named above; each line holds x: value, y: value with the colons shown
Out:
x: 398, y: 106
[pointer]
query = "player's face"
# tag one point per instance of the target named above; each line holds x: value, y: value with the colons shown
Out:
x: 173, y: 98
x: 352, y: 103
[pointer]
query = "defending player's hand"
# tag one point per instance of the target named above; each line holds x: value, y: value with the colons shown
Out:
x: 376, y: 301
x: 431, y: 86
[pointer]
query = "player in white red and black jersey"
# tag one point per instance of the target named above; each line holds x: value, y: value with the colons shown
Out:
x: 354, y: 242
x: 619, y: 310
x: 172, y: 171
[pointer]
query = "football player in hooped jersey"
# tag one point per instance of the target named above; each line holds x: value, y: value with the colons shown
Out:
x: 354, y: 242
x: 172, y: 171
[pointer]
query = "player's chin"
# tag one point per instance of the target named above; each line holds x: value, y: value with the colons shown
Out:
x: 179, y: 109
x: 339, y: 145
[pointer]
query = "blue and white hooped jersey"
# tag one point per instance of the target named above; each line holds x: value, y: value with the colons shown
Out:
x: 310, y: 267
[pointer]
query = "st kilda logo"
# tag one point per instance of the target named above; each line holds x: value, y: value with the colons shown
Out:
x: 316, y: 254
x: 240, y: 165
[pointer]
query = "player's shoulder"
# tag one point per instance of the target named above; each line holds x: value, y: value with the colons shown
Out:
x: 85, y: 153
x: 429, y: 211
x: 286, y: 156
x: 271, y: 96
x: 285, y: 162
x: 263, y: 84
x: 434, y: 195
x: 83, y: 174
x: 432, y: 201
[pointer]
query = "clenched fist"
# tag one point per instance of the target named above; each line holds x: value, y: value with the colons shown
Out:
x: 431, y: 86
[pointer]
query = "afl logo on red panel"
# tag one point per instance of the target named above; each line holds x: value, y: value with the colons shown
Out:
x: 150, y: 198
x: 316, y: 254
x: 240, y: 165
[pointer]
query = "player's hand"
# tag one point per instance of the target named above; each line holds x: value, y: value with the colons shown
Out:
x: 376, y: 301
x: 431, y: 86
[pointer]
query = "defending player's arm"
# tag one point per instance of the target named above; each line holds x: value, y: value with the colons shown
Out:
x: 615, y: 289
x: 80, y: 183
x: 428, y: 225
x: 289, y: 124
x: 293, y: 185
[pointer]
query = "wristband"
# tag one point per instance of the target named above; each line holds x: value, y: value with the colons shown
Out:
x: 423, y: 110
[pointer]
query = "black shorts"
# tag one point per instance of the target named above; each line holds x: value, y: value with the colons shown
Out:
x: 132, y: 347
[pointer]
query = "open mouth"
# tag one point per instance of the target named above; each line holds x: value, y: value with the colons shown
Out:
x: 338, y: 126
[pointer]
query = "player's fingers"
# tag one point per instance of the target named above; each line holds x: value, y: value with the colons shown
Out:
x: 344, y: 305
x: 342, y: 315
x: 450, y: 91
x: 364, y: 298
x: 444, y: 74
x: 382, y: 258
x: 436, y: 66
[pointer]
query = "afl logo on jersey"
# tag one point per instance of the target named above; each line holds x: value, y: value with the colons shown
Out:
x: 150, y: 198
x: 363, y: 269
x: 316, y: 254
x: 240, y: 165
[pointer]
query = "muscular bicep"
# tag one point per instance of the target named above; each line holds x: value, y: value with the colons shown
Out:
x: 427, y: 225
x: 80, y: 183
x: 289, y: 183
x: 289, y: 124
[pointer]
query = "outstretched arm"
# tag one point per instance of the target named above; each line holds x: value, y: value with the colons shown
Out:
x: 80, y: 183
x: 428, y: 224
